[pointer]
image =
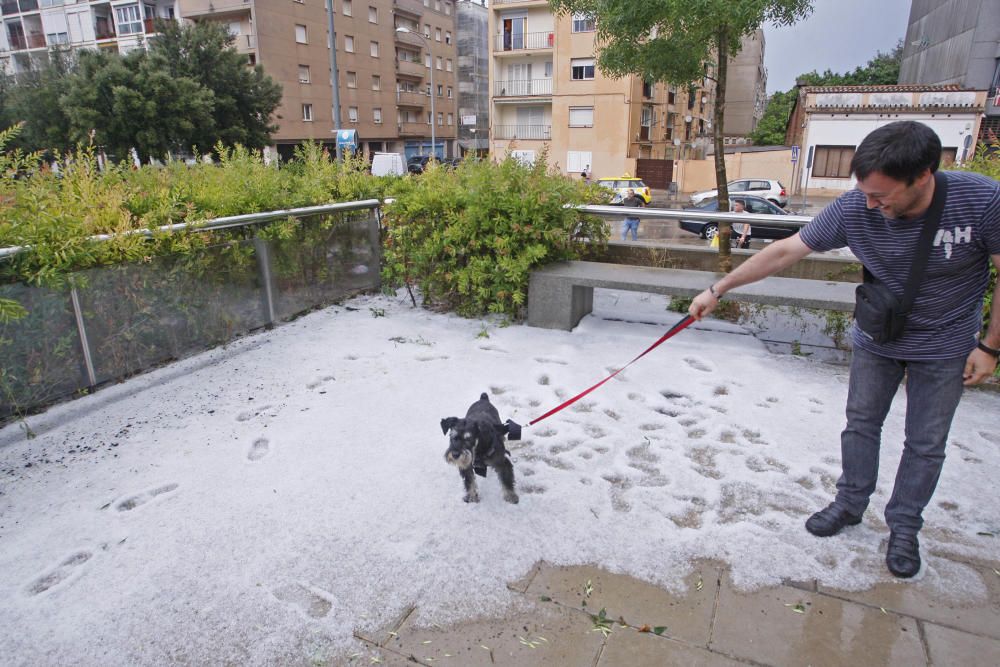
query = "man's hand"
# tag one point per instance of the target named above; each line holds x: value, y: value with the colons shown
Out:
x: 703, y: 304
x: 978, y: 367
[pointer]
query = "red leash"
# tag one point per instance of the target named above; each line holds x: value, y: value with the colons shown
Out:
x: 677, y: 328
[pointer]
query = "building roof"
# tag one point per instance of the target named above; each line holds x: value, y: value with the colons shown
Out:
x: 905, y: 88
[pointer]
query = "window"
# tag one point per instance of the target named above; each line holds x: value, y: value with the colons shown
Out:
x: 352, y: 79
x: 449, y: 92
x: 582, y: 68
x: 581, y: 116
x: 440, y: 119
x: 583, y: 23
x: 352, y: 114
x: 56, y: 38
x: 948, y: 156
x: 377, y: 116
x: 451, y: 119
x: 373, y: 49
x: 440, y: 90
x: 373, y: 14
x: 303, y: 73
x: 447, y: 64
x: 577, y: 161
x: 437, y: 34
x: 347, y: 8
x: 833, y: 161
x: 427, y: 60
x: 348, y: 43
x: 129, y: 20
x: 376, y: 82
x: 548, y: 70
x: 439, y: 62
x: 447, y: 8
x: 307, y: 112
x: 428, y: 117
x: 524, y: 157
x: 427, y: 31
x: 234, y: 28
x: 447, y: 38
x: 437, y: 5
x: 301, y: 35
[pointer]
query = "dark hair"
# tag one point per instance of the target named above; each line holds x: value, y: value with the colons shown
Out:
x: 901, y: 150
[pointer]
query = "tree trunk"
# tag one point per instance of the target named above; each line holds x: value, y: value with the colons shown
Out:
x: 722, y: 48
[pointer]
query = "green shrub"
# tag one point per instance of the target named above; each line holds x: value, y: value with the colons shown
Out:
x: 986, y: 161
x: 468, y: 237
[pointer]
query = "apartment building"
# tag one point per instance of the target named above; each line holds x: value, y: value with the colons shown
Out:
x: 547, y: 92
x: 396, y: 59
x: 746, y: 90
x: 472, y: 22
x: 29, y: 28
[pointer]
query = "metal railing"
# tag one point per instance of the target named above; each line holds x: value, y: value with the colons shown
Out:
x: 180, y: 304
x: 524, y: 41
x: 522, y: 87
x: 543, y: 132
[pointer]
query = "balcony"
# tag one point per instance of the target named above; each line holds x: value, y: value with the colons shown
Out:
x: 540, y: 132
x: 36, y: 41
x: 525, y: 41
x: 410, y: 39
x: 522, y: 87
x: 408, y: 98
x: 104, y: 30
x: 244, y: 43
x: 410, y: 68
x: 528, y: 3
x: 414, y: 129
x: 413, y: 8
x: 17, y: 42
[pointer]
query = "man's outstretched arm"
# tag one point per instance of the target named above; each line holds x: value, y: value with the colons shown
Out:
x: 776, y: 257
x: 981, y: 365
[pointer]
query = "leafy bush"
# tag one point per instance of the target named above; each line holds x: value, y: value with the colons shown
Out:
x: 986, y: 161
x: 469, y: 237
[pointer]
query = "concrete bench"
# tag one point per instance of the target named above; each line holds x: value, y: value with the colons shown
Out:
x: 559, y: 295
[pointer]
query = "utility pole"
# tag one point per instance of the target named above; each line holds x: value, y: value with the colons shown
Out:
x: 334, y: 78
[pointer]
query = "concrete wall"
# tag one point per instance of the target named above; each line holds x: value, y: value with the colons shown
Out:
x: 696, y: 175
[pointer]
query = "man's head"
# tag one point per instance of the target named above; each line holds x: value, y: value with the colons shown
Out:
x: 738, y: 206
x: 895, y: 168
x: 630, y: 192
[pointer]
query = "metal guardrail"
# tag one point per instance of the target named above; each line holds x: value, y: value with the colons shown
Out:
x: 225, y: 222
x: 790, y: 221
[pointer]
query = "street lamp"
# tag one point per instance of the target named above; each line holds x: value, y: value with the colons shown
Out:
x: 433, y: 91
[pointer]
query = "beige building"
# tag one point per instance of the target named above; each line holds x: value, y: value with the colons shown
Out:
x: 546, y: 91
x: 384, y: 74
x: 746, y: 90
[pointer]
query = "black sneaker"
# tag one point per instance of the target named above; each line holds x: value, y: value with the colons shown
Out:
x: 830, y: 521
x: 903, y: 555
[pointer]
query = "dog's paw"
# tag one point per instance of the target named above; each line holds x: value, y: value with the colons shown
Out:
x: 471, y: 497
x: 511, y: 497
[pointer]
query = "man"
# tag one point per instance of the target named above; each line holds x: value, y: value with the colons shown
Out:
x: 938, y: 351
x: 741, y: 229
x: 631, y: 222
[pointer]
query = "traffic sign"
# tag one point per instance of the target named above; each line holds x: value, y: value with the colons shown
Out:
x: 795, y: 154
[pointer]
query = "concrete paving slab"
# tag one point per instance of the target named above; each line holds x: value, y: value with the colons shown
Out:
x: 917, y: 599
x: 542, y: 634
x: 955, y: 648
x: 789, y: 626
x: 634, y: 648
x: 687, y: 617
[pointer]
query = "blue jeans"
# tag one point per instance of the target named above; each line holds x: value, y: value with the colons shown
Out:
x: 633, y: 225
x: 933, y: 389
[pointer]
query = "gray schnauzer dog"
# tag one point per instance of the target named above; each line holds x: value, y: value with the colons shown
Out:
x: 477, y: 441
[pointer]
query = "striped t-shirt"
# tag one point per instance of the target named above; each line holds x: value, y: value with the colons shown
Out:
x: 947, y: 311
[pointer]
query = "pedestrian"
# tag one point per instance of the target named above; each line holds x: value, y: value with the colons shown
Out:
x: 938, y: 350
x: 741, y: 229
x: 631, y: 222
x: 585, y: 175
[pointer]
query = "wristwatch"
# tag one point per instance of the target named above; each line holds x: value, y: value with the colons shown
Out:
x: 989, y: 350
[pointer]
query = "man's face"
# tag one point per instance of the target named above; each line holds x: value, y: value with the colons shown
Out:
x: 631, y: 192
x: 737, y: 207
x: 895, y: 199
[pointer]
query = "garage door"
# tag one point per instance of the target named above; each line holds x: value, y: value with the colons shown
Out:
x: 656, y: 173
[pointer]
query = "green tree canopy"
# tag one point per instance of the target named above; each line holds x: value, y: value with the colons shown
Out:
x: 678, y: 41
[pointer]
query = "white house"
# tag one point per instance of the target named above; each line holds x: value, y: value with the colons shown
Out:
x: 828, y: 123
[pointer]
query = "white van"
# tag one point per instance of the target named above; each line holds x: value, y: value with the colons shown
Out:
x: 388, y: 164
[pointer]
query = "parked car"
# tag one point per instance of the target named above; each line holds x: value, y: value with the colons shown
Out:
x: 417, y: 163
x: 708, y: 230
x: 620, y: 185
x: 769, y: 189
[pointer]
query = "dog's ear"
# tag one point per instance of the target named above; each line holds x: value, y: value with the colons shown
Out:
x: 447, y: 423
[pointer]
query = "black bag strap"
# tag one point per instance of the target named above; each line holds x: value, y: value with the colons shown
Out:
x: 923, y: 250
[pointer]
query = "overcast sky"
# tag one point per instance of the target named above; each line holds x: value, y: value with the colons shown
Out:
x: 839, y: 35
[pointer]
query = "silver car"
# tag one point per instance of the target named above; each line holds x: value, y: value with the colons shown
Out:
x: 767, y: 188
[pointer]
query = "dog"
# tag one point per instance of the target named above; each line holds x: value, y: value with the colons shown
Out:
x: 477, y: 441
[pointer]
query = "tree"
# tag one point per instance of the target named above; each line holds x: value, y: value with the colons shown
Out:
x: 677, y: 41
x: 882, y: 70
x: 243, y: 97
x: 32, y: 98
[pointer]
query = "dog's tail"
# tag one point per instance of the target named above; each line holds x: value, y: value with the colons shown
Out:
x: 484, y: 397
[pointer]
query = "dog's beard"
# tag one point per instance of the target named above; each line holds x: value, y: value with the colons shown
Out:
x: 462, y: 461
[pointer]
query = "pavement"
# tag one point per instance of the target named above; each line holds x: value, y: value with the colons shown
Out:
x: 590, y: 617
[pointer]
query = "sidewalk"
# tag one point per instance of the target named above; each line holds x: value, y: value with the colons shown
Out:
x: 560, y: 622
